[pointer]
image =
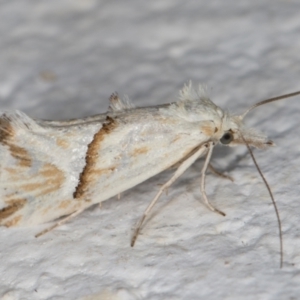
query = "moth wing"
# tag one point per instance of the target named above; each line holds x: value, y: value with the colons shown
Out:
x: 133, y: 147
x: 38, y: 169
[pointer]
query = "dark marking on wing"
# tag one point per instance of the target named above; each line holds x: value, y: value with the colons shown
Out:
x: 13, y: 206
x: 6, y: 130
x: 20, y: 154
x: 51, y: 180
x: 6, y: 138
x: 140, y: 150
x: 87, y: 174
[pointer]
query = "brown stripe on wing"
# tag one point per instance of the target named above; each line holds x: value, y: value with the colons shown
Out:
x: 7, y: 134
x: 87, y: 173
x: 13, y: 206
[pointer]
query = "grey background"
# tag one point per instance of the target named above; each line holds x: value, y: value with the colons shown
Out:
x: 63, y: 59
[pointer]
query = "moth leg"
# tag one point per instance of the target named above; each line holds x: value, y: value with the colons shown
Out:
x: 202, y: 186
x: 61, y: 222
x: 218, y: 173
x: 181, y: 169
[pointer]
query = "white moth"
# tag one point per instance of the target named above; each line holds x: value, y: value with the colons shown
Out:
x: 50, y: 169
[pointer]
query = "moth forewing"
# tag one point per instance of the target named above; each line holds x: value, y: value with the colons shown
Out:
x: 39, y: 169
x: 51, y: 168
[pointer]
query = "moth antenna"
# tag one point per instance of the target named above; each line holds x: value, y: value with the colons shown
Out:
x: 270, y: 193
x: 268, y: 101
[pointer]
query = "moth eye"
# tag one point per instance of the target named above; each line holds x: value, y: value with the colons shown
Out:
x: 226, y: 138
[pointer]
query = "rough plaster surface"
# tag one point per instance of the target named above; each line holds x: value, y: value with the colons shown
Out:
x: 62, y: 59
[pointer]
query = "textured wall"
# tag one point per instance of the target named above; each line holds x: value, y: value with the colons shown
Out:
x: 62, y: 59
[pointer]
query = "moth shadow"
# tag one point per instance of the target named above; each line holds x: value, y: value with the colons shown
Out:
x: 226, y: 159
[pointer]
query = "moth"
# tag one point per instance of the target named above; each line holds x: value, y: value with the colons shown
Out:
x: 51, y: 169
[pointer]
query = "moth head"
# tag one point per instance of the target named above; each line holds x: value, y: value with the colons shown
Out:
x: 236, y: 133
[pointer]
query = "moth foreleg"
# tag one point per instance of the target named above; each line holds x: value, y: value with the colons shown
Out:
x: 202, y: 185
x: 61, y: 222
x: 181, y: 169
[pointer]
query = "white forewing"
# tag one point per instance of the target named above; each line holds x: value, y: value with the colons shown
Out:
x: 40, y: 168
x: 134, y: 147
x: 52, y: 168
